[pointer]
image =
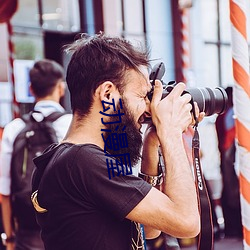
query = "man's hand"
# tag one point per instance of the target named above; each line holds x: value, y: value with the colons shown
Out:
x: 172, y: 114
x: 199, y: 115
x: 7, y: 220
x: 10, y: 246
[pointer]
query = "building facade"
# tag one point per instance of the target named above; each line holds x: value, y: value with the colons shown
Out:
x: 193, y: 42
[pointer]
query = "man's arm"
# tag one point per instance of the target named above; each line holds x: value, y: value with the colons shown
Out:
x: 149, y: 166
x: 9, y: 134
x: 7, y: 220
x: 175, y: 211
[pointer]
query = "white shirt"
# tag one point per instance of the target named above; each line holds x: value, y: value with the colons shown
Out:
x: 11, y: 131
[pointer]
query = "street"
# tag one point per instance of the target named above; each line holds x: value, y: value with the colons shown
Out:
x: 223, y: 244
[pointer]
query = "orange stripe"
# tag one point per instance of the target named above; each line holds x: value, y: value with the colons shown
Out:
x: 184, y: 26
x: 246, y: 234
x: 243, y: 135
x: 185, y: 52
x: 244, y: 187
x: 241, y: 77
x: 184, y: 37
x: 183, y: 12
x: 238, y: 18
x: 185, y: 65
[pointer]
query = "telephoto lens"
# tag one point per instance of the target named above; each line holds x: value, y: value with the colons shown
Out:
x: 210, y: 101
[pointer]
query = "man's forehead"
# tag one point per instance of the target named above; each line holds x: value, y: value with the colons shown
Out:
x: 144, y: 70
x: 138, y: 80
x: 145, y: 74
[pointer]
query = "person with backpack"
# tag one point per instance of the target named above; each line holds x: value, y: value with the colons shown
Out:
x: 23, y: 139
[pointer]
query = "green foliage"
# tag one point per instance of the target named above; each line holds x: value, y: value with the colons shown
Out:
x: 25, y: 49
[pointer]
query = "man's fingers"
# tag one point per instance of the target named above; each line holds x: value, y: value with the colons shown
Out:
x: 157, y: 93
x: 199, y: 115
x: 178, y: 90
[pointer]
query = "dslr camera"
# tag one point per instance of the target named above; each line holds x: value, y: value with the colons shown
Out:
x: 210, y: 101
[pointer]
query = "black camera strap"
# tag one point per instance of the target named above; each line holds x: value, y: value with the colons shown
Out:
x: 205, y: 238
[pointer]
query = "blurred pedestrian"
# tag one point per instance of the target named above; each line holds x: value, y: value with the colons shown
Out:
x: 48, y: 86
x: 225, y: 126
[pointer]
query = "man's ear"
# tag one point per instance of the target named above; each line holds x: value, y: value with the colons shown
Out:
x: 106, y: 91
x: 62, y: 88
x: 31, y: 90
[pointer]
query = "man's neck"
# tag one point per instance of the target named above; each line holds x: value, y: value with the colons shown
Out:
x: 48, y: 98
x: 86, y: 131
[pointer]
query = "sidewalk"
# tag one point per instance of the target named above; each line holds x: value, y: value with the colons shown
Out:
x: 223, y: 244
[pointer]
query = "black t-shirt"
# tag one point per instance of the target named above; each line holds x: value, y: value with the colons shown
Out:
x: 86, y: 209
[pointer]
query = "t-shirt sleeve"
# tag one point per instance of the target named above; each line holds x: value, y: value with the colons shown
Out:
x: 10, y: 133
x: 118, y: 195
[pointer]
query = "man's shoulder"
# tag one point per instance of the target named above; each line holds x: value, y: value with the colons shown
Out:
x: 13, y: 128
x: 79, y: 150
x: 90, y: 150
x: 14, y: 123
x: 82, y: 157
x: 88, y: 156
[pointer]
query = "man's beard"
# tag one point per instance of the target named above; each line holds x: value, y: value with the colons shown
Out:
x: 133, y: 134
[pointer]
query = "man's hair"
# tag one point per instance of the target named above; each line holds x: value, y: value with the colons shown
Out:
x: 96, y: 59
x: 44, y: 76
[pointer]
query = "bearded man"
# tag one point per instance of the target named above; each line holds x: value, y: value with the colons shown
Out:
x: 85, y: 194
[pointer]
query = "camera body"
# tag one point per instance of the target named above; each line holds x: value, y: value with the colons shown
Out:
x: 210, y: 101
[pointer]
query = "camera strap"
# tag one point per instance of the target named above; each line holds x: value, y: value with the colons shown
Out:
x: 205, y: 238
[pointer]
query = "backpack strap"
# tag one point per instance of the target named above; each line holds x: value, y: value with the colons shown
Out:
x: 54, y: 116
x: 51, y: 118
x: 46, y: 125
